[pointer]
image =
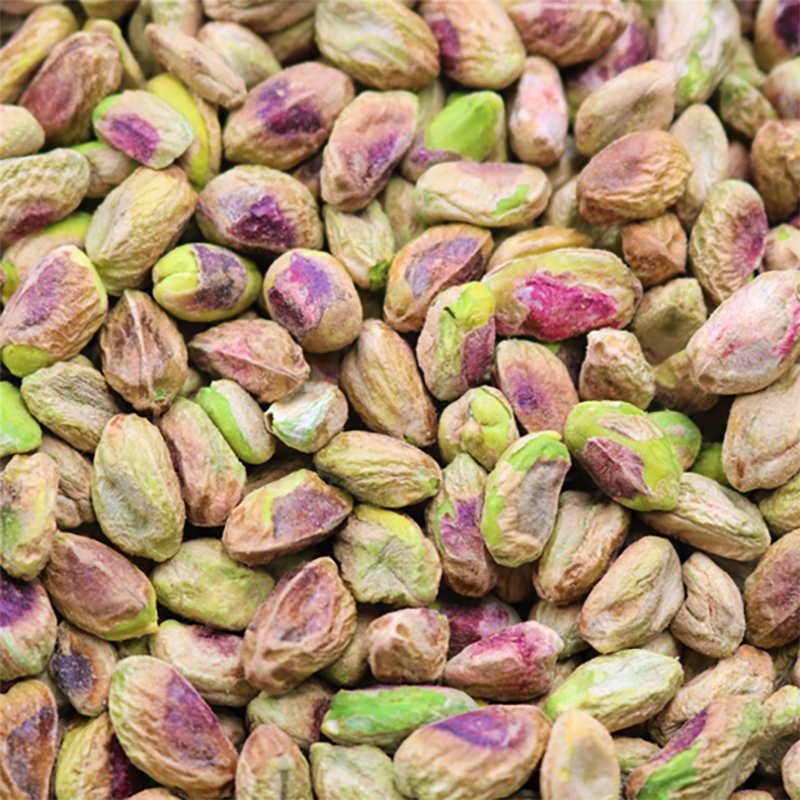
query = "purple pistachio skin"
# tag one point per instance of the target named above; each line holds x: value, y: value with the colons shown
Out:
x: 473, y: 619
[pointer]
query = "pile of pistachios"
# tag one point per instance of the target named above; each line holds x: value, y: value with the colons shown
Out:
x: 400, y: 400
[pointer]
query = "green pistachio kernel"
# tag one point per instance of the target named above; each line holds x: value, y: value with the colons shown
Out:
x: 19, y: 431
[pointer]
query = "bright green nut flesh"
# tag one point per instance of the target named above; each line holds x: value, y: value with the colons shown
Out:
x: 682, y: 432
x: 467, y: 126
x: 709, y: 463
x: 19, y: 431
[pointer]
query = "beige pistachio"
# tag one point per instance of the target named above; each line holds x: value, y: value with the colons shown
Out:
x: 20, y: 132
x: 774, y: 158
x: 246, y: 53
x: 655, y: 249
x: 74, y: 501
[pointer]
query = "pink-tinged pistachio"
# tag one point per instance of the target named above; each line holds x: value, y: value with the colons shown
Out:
x: 247, y: 54
x: 581, y: 760
x: 773, y: 159
x: 700, y: 41
x: 43, y: 29
x: 629, y: 49
x: 311, y: 295
x: 535, y: 242
x: 259, y: 211
x: 408, y: 646
x: 567, y: 32
x: 201, y: 582
x: 711, y: 620
x: 538, y: 120
x: 453, y: 522
x: 201, y: 161
x: 483, y: 754
x: 284, y: 517
x: 515, y: 663
x: 718, y: 748
x: 522, y: 498
x: 132, y: 75
x: 685, y: 436
x: 615, y: 368
x: 168, y: 731
x: 709, y: 463
x: 271, y: 764
x: 563, y: 293
x: 368, y: 140
x: 781, y: 249
x: 28, y: 732
x: 143, y: 353
x: 259, y: 355
x: 385, y: 558
x: 211, y: 476
x: 108, y: 167
x: 781, y: 509
x: 20, y: 132
x: 264, y: 17
x: 28, y: 628
x: 588, y: 530
x: 73, y: 400
x: 74, y: 500
x: 563, y: 620
x: 478, y: 44
x: 443, y: 256
x: 98, y: 589
x: 380, y: 43
x: 304, y: 625
x: 776, y: 38
x: 655, y: 249
x: 742, y: 107
x: 209, y: 659
x: 470, y: 128
x: 676, y: 390
x: 378, y: 469
x: 782, y: 89
x: 38, y: 190
x: 619, y: 690
x: 473, y: 619
x: 81, y: 70
x: 352, y: 665
x: 772, y: 595
x: 135, y: 491
x: 136, y: 223
x: 782, y: 731
x: 727, y: 357
x: 614, y: 618
x: 296, y: 42
x: 386, y: 715
x: 82, y: 666
x: 361, y: 771
x: 636, y: 177
x: 288, y: 117
x: 205, y: 283
x: 668, y: 317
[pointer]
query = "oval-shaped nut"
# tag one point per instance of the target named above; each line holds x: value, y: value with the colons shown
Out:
x: 201, y: 582
x: 271, y: 763
x: 304, y: 625
x: 288, y: 117
x: 588, y: 530
x: 132, y: 75
x: 655, y: 249
x: 98, y: 589
x: 534, y: 242
x: 563, y: 293
x: 363, y: 769
x: 742, y: 106
x: 385, y: 558
x: 143, y: 353
x: 773, y: 156
x: 472, y: 619
x: 246, y: 53
x: 619, y: 690
x: 284, y: 517
x: 136, y: 223
x: 108, y: 167
x: 636, y: 177
x: 781, y: 249
x: 781, y: 508
x: 20, y: 132
x: 168, y: 731
x: 451, y: 758
x: 135, y: 491
x: 380, y: 44
x: 615, y: 616
x: 627, y: 454
x: 782, y: 89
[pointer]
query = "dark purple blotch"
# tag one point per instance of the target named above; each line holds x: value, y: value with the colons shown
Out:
x: 787, y: 24
x: 223, y: 278
x: 189, y: 724
x: 27, y: 747
x: 485, y: 728
x: 617, y: 469
x: 446, y: 263
x: 18, y: 598
x: 685, y: 737
x: 306, y: 512
x: 477, y: 353
x: 449, y: 47
x: 125, y: 779
x: 461, y: 534
x: 264, y: 225
x: 73, y: 671
x: 283, y: 117
x: 132, y: 135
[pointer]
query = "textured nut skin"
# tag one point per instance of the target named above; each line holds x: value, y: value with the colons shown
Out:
x: 271, y: 763
x: 340, y: 771
x: 781, y: 509
x: 534, y: 242
x: 352, y: 665
x: 242, y: 50
x: 74, y: 501
x: 107, y: 167
x: 790, y: 769
x: 773, y: 157
x: 472, y: 619
x: 676, y: 390
x: 20, y: 132
x: 685, y: 436
x: 742, y: 106
x: 563, y: 620
x: 782, y: 248
x: 655, y: 249
x: 783, y: 725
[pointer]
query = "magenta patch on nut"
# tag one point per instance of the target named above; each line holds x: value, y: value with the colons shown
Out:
x: 187, y: 722
x: 281, y: 116
x: 477, y: 353
x: 223, y: 278
x: 460, y: 259
x: 461, y: 534
x: 264, y: 224
x: 617, y: 469
x: 485, y: 727
x: 449, y: 47
x: 132, y: 135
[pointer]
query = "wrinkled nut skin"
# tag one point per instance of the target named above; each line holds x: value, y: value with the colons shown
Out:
x: 790, y: 769
x: 782, y: 89
x: 636, y: 177
x: 352, y: 665
x: 368, y: 140
x: 619, y: 690
x: 263, y: 18
x: 773, y: 158
x: 259, y: 211
x: 288, y: 117
x: 28, y: 734
x: 258, y: 354
x: 168, y: 731
x: 562, y: 619
x: 676, y: 390
x: 563, y: 293
x: 656, y: 249
x: 272, y: 764
x: 382, y: 382
x: 515, y: 663
x: 534, y: 242
x: 107, y: 167
x: 441, y: 257
x: 636, y: 599
x: 781, y: 509
x: 782, y: 249
x: 313, y: 603
x: 742, y: 106
x: 752, y: 339
x: 311, y: 294
x: 98, y: 590
x: 20, y: 132
x: 472, y: 619
x: 408, y: 646
x: 81, y: 70
x: 567, y: 32
x: 589, y: 529
x: 783, y: 725
x: 483, y: 754
x: 339, y: 771
x: 143, y: 353
x: 379, y: 43
x: 29, y: 628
